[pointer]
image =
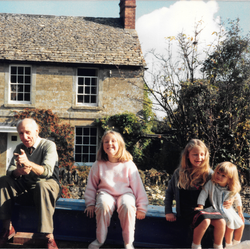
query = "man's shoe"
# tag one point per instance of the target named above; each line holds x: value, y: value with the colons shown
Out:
x: 51, y: 244
x: 6, y: 235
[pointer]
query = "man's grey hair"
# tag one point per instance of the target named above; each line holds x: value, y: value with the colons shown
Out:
x: 34, y: 123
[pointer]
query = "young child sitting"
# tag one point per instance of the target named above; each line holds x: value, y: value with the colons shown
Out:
x: 224, y: 185
x: 114, y: 182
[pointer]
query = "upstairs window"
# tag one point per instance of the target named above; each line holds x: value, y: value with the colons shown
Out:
x: 87, y: 87
x: 20, y: 84
x: 85, y: 145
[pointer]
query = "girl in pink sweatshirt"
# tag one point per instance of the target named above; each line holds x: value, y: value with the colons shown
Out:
x: 114, y: 182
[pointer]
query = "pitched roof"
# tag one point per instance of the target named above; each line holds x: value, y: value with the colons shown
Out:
x: 68, y: 39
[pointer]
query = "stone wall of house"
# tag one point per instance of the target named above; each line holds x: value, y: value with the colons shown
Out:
x: 54, y: 87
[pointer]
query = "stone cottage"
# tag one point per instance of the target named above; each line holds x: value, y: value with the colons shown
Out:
x: 81, y: 68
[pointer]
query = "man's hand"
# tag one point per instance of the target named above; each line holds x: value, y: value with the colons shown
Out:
x: 27, y: 164
x: 23, y: 170
x: 22, y: 158
x: 22, y: 161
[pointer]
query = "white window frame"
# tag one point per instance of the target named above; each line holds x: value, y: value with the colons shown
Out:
x: 86, y: 90
x: 10, y: 84
x: 86, y: 144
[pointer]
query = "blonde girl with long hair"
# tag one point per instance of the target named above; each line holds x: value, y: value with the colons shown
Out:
x: 225, y: 185
x: 114, y: 183
x: 185, y: 186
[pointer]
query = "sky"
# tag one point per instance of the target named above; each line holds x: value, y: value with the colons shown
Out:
x: 155, y: 20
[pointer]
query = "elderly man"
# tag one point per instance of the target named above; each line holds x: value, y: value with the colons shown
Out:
x: 32, y: 176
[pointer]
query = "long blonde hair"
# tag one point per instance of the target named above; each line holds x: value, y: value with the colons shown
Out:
x: 230, y: 170
x: 190, y: 176
x: 122, y: 154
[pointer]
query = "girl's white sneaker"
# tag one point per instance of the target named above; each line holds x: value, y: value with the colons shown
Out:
x: 194, y: 246
x: 128, y: 246
x: 94, y: 245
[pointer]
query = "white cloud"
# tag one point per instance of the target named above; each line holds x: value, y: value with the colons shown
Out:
x: 181, y: 16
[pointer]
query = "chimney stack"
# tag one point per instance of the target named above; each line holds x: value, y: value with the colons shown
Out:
x: 127, y: 13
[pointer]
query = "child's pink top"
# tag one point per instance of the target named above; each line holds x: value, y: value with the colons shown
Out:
x: 115, y: 179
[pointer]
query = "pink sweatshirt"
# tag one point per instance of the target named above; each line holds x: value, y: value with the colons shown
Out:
x: 115, y: 179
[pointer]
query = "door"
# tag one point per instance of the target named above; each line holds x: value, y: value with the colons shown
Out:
x: 12, y: 141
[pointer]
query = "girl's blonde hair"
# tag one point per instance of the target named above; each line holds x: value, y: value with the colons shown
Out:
x: 230, y: 170
x: 190, y: 176
x: 122, y: 154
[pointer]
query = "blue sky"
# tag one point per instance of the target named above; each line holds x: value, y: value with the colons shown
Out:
x: 227, y: 9
x: 155, y: 20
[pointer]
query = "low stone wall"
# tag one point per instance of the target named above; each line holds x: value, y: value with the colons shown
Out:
x: 154, y: 181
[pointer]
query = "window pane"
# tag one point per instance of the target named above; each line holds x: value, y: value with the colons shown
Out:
x: 93, y: 99
x: 78, y: 131
x: 92, y: 158
x: 93, y: 131
x: 20, y: 70
x: 13, y: 79
x: 80, y: 99
x: 80, y: 81
x: 27, y: 70
x: 20, y: 88
x: 87, y: 81
x: 13, y: 70
x: 86, y: 131
x: 27, y: 79
x: 78, y: 140
x: 13, y: 88
x: 27, y: 88
x: 20, y: 79
x: 85, y: 158
x: 13, y: 96
x: 20, y: 96
x: 93, y: 140
x: 85, y: 149
x: 92, y: 149
x: 86, y: 140
x: 78, y: 158
x: 86, y: 99
x: 80, y: 89
x: 87, y: 90
x: 93, y: 90
x: 27, y: 97
x: 78, y: 149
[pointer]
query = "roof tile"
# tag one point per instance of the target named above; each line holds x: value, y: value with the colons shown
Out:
x: 68, y: 39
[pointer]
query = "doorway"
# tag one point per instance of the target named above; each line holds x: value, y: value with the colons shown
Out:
x: 12, y: 141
